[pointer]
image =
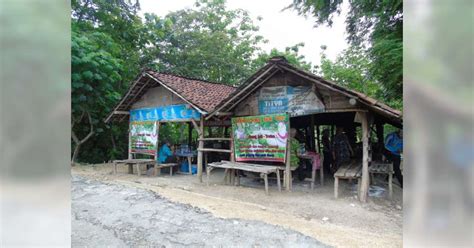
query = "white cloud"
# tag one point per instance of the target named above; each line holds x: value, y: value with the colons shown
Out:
x: 281, y: 29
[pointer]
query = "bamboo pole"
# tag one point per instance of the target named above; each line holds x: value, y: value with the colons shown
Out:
x: 365, y: 158
x: 201, y: 146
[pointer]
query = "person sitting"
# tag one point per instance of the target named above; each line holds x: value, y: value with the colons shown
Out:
x: 166, y: 155
x: 394, y: 147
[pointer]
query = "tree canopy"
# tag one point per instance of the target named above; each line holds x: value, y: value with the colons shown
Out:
x: 375, y: 27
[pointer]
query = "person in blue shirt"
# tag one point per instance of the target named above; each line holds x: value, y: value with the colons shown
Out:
x: 394, y: 147
x: 165, y: 155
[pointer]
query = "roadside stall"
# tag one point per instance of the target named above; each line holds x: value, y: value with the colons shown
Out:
x: 310, y: 103
x: 155, y: 100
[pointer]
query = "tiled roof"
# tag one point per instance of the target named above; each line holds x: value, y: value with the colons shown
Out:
x: 203, y: 94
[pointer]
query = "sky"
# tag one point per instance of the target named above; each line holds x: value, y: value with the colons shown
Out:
x: 281, y: 29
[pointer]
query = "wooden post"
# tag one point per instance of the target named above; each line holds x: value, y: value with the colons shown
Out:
x: 157, y: 146
x: 365, y: 158
x: 278, y: 180
x: 201, y: 145
x: 390, y: 177
x: 288, y: 164
x: 311, y: 134
x: 189, y: 165
x: 231, y: 145
x: 379, y: 130
x: 115, y: 167
x: 130, y: 156
x: 190, y: 133
x: 318, y: 139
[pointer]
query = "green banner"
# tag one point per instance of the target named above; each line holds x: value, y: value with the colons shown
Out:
x: 143, y: 137
x: 261, y: 138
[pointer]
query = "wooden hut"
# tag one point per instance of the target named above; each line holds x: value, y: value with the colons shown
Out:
x: 318, y: 102
x: 161, y: 98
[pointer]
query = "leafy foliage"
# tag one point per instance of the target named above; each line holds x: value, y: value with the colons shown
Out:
x: 209, y: 42
x: 351, y: 69
x: 374, y: 24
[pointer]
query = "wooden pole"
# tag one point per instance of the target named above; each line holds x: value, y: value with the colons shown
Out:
x: 365, y: 158
x: 311, y: 134
x: 130, y: 141
x: 201, y: 146
x: 288, y: 162
x: 190, y: 133
x: 318, y: 138
x: 379, y: 130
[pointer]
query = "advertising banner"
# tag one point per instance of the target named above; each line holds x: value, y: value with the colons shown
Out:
x: 261, y: 138
x: 297, y: 101
x: 165, y: 113
x: 144, y: 137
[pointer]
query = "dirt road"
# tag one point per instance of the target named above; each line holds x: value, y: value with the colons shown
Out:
x: 121, y: 216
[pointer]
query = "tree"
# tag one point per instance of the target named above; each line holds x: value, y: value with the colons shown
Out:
x: 351, y: 69
x: 374, y: 24
x: 210, y: 42
x: 94, y: 75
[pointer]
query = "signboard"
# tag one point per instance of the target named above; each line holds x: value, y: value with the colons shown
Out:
x: 143, y: 137
x: 261, y: 138
x: 300, y: 100
x: 165, y: 113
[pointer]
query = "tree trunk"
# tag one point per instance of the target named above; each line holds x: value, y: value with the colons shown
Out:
x: 80, y: 142
x: 74, y: 155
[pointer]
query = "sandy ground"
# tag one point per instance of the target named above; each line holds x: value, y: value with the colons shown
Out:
x: 343, y: 222
x: 122, y: 216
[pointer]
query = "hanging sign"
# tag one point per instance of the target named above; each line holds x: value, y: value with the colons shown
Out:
x: 261, y: 138
x: 297, y: 101
x: 165, y: 113
x: 143, y: 137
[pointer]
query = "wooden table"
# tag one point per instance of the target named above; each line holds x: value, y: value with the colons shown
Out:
x: 131, y: 162
x: 189, y: 157
x: 264, y: 170
x: 313, y: 169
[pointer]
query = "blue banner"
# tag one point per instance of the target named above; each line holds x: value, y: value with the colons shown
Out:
x: 165, y: 113
x: 297, y: 100
x: 273, y: 106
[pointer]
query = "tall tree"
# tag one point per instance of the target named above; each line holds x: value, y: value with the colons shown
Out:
x: 374, y: 24
x: 210, y: 42
x: 94, y: 75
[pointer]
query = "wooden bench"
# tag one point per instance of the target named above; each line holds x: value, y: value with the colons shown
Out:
x: 348, y: 171
x: 264, y: 170
x: 131, y: 162
x: 158, y: 167
x: 378, y: 167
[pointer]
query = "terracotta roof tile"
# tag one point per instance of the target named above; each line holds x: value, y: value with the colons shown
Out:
x: 203, y: 94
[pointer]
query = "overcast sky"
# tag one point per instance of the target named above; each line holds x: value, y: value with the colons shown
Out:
x: 281, y: 29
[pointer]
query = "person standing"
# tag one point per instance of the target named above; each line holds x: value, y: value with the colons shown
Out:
x: 341, y: 149
x: 327, y: 152
x: 394, y: 147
